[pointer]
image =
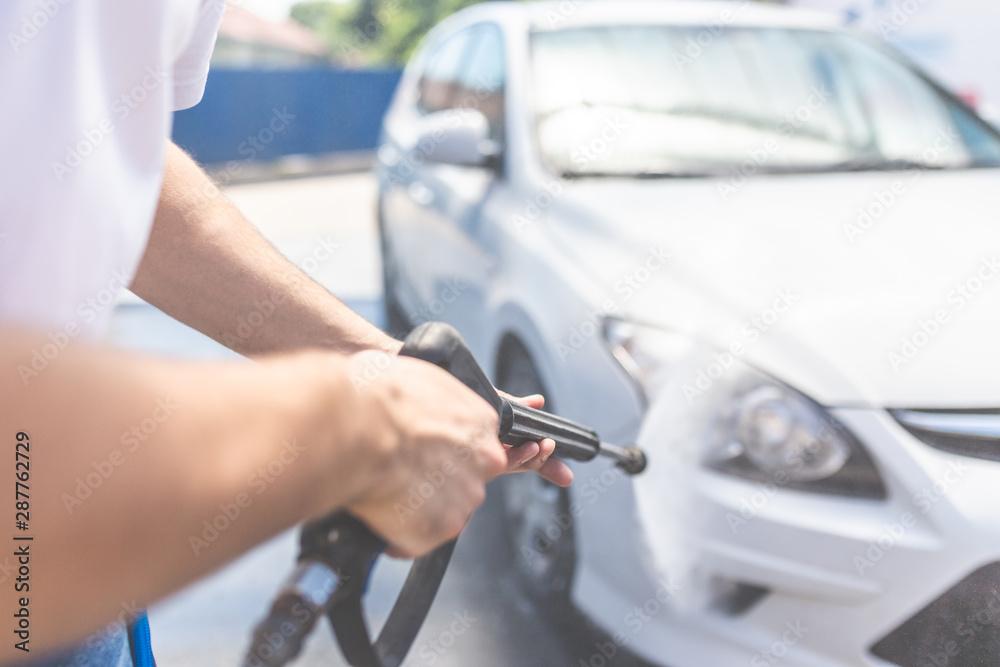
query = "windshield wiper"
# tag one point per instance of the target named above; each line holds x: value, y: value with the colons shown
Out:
x: 852, y: 165
x: 636, y: 174
x: 847, y: 166
x: 875, y: 164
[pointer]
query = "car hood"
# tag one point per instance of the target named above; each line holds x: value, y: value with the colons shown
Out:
x: 891, y: 277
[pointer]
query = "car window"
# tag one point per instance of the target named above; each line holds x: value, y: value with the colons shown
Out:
x: 628, y: 100
x: 439, y: 84
x: 482, y: 82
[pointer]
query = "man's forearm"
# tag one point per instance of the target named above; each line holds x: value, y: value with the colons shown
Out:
x: 208, y: 267
x: 142, y: 475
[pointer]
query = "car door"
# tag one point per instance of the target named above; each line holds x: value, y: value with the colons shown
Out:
x: 404, y: 195
x: 443, y: 201
x: 461, y: 265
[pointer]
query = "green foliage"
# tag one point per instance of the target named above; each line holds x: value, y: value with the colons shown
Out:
x: 374, y: 32
x: 312, y: 13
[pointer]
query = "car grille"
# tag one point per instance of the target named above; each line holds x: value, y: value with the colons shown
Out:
x: 959, y: 629
x: 967, y: 432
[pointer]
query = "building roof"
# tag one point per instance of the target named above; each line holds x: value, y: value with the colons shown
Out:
x: 242, y: 25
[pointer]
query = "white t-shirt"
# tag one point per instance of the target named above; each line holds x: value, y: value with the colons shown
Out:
x: 90, y: 87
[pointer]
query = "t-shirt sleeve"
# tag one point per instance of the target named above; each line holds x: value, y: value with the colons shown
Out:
x: 191, y: 65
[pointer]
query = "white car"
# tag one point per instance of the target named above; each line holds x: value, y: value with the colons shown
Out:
x: 764, y: 249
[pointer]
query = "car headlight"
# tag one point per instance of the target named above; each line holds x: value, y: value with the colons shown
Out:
x: 749, y: 425
x: 779, y: 432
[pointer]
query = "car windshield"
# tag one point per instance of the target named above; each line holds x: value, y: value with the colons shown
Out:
x: 693, y: 101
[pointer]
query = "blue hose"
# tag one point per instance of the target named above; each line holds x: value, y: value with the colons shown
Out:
x: 142, y: 647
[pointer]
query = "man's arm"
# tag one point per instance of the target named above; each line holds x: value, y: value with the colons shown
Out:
x: 140, y: 475
x: 206, y: 266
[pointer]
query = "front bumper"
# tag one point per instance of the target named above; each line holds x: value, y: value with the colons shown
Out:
x: 771, y: 576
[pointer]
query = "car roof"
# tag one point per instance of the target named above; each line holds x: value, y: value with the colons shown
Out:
x: 559, y: 14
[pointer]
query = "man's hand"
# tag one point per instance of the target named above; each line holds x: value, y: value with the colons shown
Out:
x: 438, y: 445
x: 535, y: 456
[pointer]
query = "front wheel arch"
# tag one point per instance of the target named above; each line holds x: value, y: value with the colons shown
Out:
x: 538, y: 525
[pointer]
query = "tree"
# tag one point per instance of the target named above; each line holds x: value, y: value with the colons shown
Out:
x: 374, y: 32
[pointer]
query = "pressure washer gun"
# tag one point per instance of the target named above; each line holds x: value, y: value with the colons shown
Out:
x: 337, y: 552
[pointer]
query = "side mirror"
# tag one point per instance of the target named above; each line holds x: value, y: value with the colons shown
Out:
x: 458, y: 137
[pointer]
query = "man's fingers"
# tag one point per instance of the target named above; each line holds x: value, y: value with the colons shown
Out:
x: 537, y: 457
x: 519, y: 456
x: 557, y: 472
x: 530, y: 456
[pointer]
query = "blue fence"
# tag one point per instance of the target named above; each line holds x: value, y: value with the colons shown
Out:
x: 264, y: 114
